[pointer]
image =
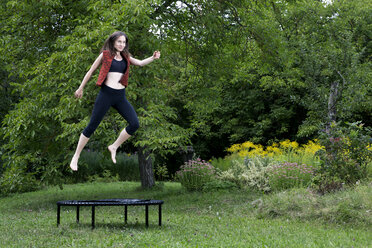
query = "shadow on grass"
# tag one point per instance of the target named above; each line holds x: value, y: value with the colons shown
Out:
x: 114, y: 226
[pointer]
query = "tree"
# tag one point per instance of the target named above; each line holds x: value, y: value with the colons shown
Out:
x: 323, y: 49
x: 304, y: 60
x: 25, y: 41
x: 44, y: 126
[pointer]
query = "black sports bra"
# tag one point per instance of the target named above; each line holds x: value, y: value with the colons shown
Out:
x: 118, y: 66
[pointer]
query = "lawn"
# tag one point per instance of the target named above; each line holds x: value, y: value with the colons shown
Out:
x: 210, y: 219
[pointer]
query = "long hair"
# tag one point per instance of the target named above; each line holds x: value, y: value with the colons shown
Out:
x: 110, y: 41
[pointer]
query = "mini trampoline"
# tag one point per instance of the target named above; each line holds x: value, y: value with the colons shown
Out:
x: 109, y: 202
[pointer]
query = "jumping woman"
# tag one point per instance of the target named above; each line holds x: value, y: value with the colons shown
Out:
x: 113, y: 79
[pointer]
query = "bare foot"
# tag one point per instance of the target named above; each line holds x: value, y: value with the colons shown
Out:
x: 73, y: 164
x: 112, y: 150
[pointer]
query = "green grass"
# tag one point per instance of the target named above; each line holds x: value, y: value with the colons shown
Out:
x: 217, y: 219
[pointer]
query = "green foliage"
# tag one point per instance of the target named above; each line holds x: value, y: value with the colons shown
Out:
x: 194, y: 174
x: 327, y: 183
x: 293, y: 51
x: 219, y: 185
x: 106, y: 177
x: 346, y: 155
x: 222, y: 164
x: 157, y: 132
x: 162, y: 172
x: 16, y: 180
x: 290, y: 175
x: 43, y: 128
x: 96, y: 165
x: 230, y: 71
x: 252, y: 173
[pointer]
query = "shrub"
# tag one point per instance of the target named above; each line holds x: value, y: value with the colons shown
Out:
x: 195, y: 173
x: 327, y: 183
x: 218, y: 185
x: 97, y: 165
x: 289, y: 175
x: 250, y: 173
x: 346, y: 154
x: 15, y: 179
x: 106, y: 177
x: 161, y: 172
x: 222, y: 164
x: 126, y: 167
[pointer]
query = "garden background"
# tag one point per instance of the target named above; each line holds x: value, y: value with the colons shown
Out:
x: 248, y: 96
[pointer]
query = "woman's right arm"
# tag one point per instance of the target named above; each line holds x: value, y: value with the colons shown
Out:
x: 97, y: 62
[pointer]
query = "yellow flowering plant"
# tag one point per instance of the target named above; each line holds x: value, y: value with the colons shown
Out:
x: 284, y: 151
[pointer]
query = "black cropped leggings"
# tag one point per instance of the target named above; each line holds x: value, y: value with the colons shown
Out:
x: 106, y: 98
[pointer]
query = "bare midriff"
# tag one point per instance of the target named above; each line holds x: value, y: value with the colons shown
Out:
x: 113, y: 80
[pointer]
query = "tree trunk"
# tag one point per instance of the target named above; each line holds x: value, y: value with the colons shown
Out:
x: 145, y: 166
x: 334, y: 94
x: 332, y: 102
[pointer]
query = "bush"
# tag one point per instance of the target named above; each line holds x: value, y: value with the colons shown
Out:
x: 250, y: 173
x: 218, y: 185
x: 106, y: 177
x: 290, y: 175
x: 126, y: 167
x: 97, y: 165
x: 346, y: 154
x: 222, y: 164
x: 327, y: 183
x: 15, y: 179
x: 194, y: 174
x: 161, y: 171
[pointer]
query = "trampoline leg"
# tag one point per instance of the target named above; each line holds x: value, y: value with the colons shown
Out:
x: 159, y: 214
x: 77, y: 214
x: 93, y: 215
x: 126, y: 214
x: 147, y: 215
x: 58, y: 214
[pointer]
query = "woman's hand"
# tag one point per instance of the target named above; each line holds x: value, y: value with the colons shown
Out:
x: 144, y: 62
x: 156, y: 55
x: 79, y: 93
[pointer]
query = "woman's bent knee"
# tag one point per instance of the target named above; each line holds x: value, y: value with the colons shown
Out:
x: 132, y: 128
x: 88, y: 131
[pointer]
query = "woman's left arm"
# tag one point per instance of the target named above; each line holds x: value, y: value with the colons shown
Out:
x: 134, y: 61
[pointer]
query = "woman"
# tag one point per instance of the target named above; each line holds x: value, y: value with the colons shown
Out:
x: 113, y: 79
